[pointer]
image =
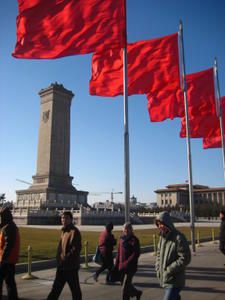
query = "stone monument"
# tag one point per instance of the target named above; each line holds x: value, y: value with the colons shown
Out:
x: 52, y: 188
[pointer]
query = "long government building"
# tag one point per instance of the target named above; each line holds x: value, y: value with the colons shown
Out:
x: 178, y: 194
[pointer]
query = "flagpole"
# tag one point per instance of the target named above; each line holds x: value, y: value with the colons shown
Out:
x: 184, y: 88
x: 126, y: 130
x: 218, y: 100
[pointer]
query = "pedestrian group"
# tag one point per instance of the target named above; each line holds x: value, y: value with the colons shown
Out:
x: 173, y: 255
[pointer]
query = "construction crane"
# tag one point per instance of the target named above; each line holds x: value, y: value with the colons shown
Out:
x: 23, y: 181
x: 29, y: 183
x: 100, y: 193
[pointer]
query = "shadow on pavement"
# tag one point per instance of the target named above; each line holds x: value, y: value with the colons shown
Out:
x: 208, y: 274
x: 203, y: 290
x: 208, y: 269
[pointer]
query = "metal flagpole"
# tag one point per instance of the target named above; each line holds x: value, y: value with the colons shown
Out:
x: 126, y: 132
x: 218, y: 100
x: 184, y: 88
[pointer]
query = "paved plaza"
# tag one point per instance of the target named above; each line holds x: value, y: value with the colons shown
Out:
x: 205, y: 280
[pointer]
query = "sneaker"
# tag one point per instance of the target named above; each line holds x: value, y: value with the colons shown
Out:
x: 95, y: 277
x: 139, y: 293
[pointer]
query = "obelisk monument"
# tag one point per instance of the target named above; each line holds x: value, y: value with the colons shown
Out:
x: 52, y: 184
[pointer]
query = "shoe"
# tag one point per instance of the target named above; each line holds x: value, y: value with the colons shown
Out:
x: 109, y: 282
x: 139, y: 293
x: 95, y: 277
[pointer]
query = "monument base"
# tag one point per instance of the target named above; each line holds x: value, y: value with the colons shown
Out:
x: 43, y: 206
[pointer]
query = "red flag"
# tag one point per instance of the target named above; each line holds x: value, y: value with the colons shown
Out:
x: 56, y: 28
x: 213, y: 142
x: 201, y: 93
x: 205, y: 125
x: 201, y: 126
x: 201, y: 99
x: 152, y: 65
x: 165, y: 104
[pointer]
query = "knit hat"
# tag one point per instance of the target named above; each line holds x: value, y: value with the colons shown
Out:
x: 6, y: 216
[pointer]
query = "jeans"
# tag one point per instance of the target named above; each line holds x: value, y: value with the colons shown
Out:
x: 63, y: 276
x: 7, y: 273
x: 172, y: 294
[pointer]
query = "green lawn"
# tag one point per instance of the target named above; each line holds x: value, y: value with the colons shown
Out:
x: 44, y: 241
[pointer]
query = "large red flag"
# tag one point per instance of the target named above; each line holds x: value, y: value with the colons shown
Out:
x: 204, y: 125
x: 56, y: 28
x: 152, y: 65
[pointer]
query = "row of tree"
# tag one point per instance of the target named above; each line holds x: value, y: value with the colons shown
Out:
x: 206, y: 210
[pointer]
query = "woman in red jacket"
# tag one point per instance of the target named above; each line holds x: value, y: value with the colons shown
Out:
x: 105, y: 244
x: 9, y: 253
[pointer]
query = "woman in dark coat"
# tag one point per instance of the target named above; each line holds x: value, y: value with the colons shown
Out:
x: 127, y: 261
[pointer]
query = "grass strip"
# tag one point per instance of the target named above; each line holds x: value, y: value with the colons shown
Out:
x: 44, y: 241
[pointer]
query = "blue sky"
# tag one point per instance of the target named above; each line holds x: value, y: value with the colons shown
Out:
x: 157, y: 154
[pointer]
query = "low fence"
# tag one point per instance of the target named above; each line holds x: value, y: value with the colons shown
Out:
x: 51, y: 263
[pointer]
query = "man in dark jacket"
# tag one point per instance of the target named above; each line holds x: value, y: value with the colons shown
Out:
x: 106, y: 243
x: 222, y: 232
x: 127, y: 261
x: 173, y: 255
x: 68, y: 259
x: 9, y: 253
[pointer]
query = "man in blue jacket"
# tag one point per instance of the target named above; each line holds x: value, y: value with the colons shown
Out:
x: 173, y: 255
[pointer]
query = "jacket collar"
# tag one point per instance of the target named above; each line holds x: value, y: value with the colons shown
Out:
x: 67, y: 228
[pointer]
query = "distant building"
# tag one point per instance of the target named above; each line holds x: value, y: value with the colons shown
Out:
x: 133, y: 201
x: 108, y: 206
x: 178, y: 194
x: 152, y: 205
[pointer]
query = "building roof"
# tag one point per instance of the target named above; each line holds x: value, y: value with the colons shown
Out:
x: 185, y: 187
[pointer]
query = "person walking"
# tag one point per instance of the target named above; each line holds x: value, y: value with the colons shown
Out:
x: 127, y: 261
x: 106, y: 243
x: 173, y: 255
x: 222, y: 232
x: 68, y: 259
x: 9, y: 253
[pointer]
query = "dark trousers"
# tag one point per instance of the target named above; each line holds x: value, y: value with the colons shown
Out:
x: 107, y: 263
x: 63, y: 276
x: 222, y: 247
x: 7, y: 274
x: 128, y: 290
